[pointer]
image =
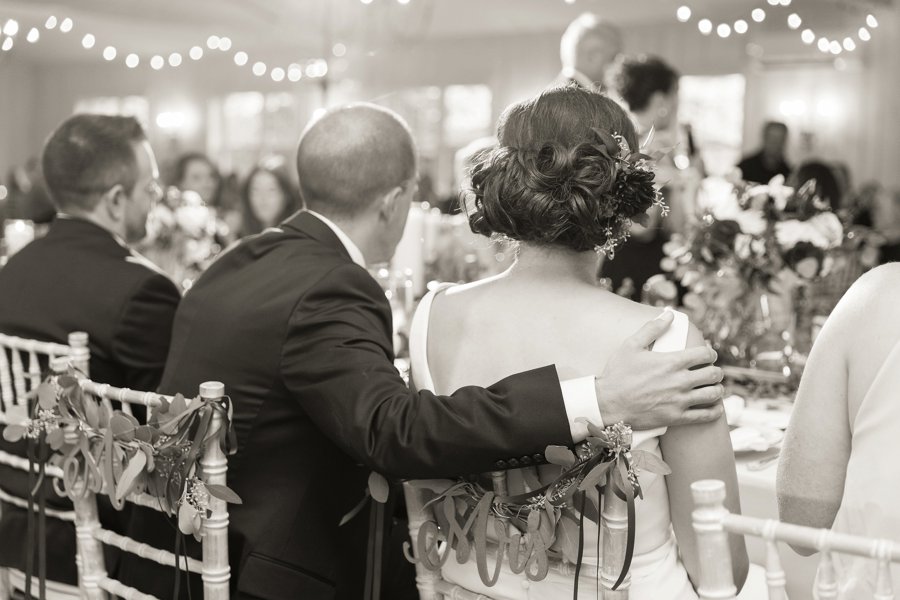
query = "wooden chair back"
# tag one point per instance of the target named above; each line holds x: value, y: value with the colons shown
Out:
x: 22, y: 362
x: 214, y: 569
x: 713, y: 523
x: 613, y: 526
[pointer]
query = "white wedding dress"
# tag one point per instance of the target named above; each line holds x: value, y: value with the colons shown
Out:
x: 656, y: 570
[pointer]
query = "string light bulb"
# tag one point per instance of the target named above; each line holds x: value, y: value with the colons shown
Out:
x: 758, y: 15
x: 196, y: 53
x: 741, y: 27
x: 51, y: 22
x: 823, y: 44
x: 683, y: 14
x: 241, y: 58
x: 175, y: 59
x: 864, y: 34
x: 849, y: 44
x: 132, y: 60
x: 808, y: 36
x: 7, y: 44
x: 295, y: 72
x: 277, y: 74
x: 33, y: 35
x: 157, y: 62
x: 11, y: 28
x: 724, y: 30
x: 109, y: 53
x: 794, y: 21
x: 259, y: 68
x: 66, y: 25
x: 212, y: 42
x: 705, y: 26
x: 88, y: 41
x: 225, y: 44
x: 871, y: 21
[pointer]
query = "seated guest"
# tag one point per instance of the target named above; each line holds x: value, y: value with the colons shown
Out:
x: 770, y: 160
x: 838, y: 468
x: 195, y: 172
x: 268, y: 198
x: 103, y: 179
x: 300, y: 334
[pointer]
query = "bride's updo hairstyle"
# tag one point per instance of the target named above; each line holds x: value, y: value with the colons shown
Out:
x: 559, y: 175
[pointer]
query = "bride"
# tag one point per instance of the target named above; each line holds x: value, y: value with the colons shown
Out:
x: 562, y: 183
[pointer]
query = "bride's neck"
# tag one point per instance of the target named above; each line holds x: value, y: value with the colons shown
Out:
x: 548, y: 261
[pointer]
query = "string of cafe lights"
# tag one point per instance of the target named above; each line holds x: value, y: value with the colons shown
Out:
x: 794, y: 21
x: 314, y: 68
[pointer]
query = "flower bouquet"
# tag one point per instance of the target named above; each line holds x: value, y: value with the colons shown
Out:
x: 754, y: 250
x: 181, y: 236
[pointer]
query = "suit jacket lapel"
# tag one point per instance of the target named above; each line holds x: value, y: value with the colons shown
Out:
x: 314, y: 228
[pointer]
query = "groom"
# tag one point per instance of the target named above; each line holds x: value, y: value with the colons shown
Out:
x: 300, y: 333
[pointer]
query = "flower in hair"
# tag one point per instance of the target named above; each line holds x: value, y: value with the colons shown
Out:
x: 633, y: 191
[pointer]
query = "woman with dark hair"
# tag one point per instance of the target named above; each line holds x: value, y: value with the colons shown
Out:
x: 268, y: 198
x: 650, y: 89
x: 195, y: 172
x: 565, y: 183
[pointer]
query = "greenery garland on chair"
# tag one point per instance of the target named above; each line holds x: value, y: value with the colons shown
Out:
x: 109, y: 452
x: 526, y: 524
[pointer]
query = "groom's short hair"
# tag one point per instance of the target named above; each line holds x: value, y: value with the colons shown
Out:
x: 352, y: 156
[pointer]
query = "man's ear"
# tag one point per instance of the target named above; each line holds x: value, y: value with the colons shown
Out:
x: 114, y: 200
x: 389, y: 204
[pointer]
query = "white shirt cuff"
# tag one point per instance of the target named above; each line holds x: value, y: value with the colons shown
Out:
x: 580, y: 398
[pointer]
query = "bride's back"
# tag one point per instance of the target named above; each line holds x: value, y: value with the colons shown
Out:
x: 527, y: 318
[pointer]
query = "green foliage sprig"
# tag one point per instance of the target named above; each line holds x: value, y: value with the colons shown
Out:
x: 109, y: 452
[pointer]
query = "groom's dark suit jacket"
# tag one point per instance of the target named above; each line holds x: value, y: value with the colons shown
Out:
x: 301, y: 337
x: 79, y: 278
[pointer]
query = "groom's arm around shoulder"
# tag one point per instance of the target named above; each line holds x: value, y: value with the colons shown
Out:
x: 337, y: 361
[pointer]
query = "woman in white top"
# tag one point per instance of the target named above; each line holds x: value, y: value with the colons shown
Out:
x: 562, y: 183
x: 839, y: 457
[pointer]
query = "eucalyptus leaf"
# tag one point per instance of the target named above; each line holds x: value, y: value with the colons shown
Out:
x: 178, y: 405
x: 597, y: 476
x: 14, y: 433
x: 223, y: 492
x: 534, y: 521
x: 559, y: 455
x: 646, y: 461
x: 46, y: 396
x: 56, y: 439
x: 378, y: 487
x: 130, y: 474
x: 91, y: 413
x: 144, y: 433
x: 67, y: 382
x: 121, y: 427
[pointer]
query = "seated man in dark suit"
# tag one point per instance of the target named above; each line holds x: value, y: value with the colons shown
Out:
x: 103, y: 179
x: 299, y: 332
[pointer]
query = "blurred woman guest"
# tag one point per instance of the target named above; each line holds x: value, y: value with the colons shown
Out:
x: 838, y: 468
x: 650, y: 89
x: 195, y: 172
x: 267, y: 199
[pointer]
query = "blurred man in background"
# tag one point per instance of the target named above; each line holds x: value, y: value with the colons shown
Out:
x: 588, y: 49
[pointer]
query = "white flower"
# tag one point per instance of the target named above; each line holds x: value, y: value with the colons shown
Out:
x: 823, y: 231
x: 752, y: 222
x: 830, y: 227
x: 775, y: 189
x: 742, y: 245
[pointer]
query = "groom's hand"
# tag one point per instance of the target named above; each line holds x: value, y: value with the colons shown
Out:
x: 648, y: 389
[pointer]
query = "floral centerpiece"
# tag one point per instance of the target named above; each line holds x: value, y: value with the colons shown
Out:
x: 754, y: 249
x: 181, y: 236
